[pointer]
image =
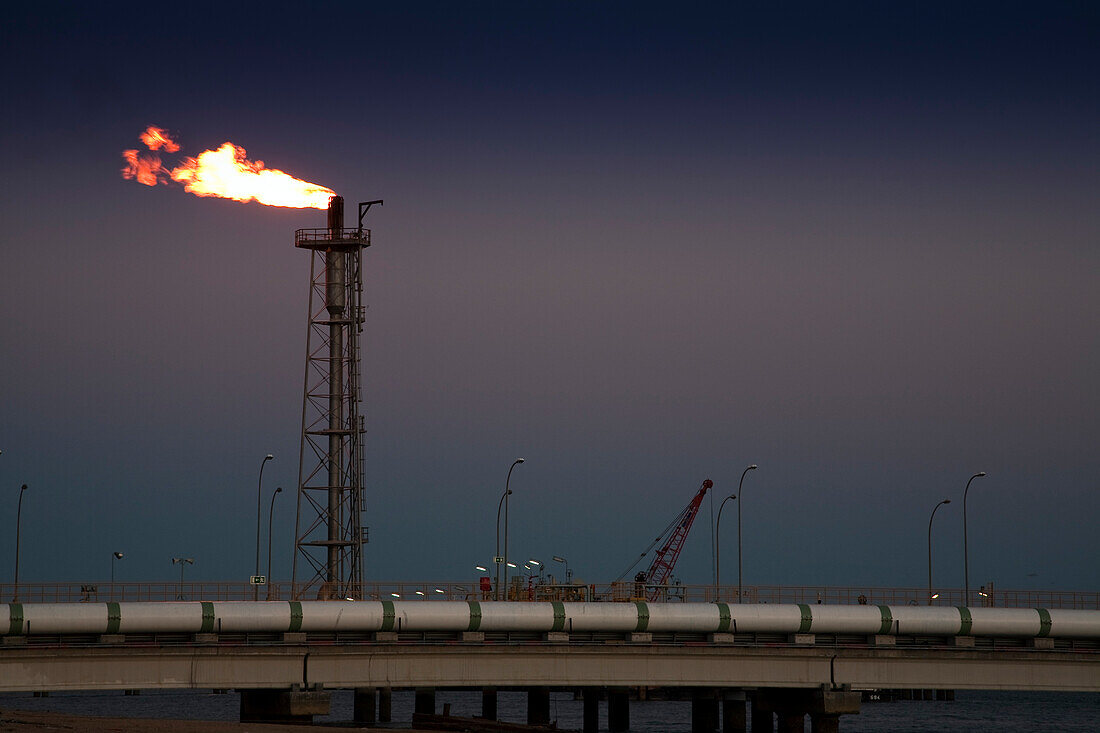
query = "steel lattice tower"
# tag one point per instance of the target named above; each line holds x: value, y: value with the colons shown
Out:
x: 328, y: 531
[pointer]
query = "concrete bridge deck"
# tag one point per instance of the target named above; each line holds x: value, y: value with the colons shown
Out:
x: 473, y: 660
x: 285, y: 676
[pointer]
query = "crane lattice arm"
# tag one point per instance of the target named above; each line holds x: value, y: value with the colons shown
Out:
x: 665, y: 559
x: 673, y: 535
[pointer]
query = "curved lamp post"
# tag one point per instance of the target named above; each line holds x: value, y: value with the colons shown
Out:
x: 717, y: 525
x: 739, y: 503
x: 504, y: 503
x: 945, y: 501
x: 114, y: 556
x: 182, y: 562
x: 259, y: 485
x: 18, y: 521
x: 270, y: 515
x: 562, y: 560
x: 966, y: 555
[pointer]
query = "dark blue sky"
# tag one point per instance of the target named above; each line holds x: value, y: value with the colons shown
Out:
x: 638, y: 245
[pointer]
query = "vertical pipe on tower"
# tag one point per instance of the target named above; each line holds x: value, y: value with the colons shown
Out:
x: 335, y: 296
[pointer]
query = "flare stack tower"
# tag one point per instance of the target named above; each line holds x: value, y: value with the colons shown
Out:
x: 329, y: 532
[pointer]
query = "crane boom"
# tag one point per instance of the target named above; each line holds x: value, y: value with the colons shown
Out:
x: 664, y: 560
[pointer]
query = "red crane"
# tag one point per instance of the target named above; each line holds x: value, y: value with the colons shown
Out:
x: 674, y: 535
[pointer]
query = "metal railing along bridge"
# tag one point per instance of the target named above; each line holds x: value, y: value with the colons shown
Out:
x: 534, y: 591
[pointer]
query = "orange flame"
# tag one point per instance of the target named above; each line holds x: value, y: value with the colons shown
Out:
x: 156, y: 138
x: 226, y: 173
x: 143, y: 167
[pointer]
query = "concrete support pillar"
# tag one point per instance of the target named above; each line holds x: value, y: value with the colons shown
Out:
x: 823, y: 705
x: 618, y: 710
x: 704, y: 711
x: 790, y: 721
x: 763, y: 721
x: 489, y: 703
x: 425, y: 701
x: 385, y: 705
x: 363, y: 706
x: 591, y: 710
x: 283, y: 706
x: 733, y: 713
x: 538, y: 706
x: 824, y: 723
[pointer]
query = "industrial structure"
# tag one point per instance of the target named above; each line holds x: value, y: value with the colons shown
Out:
x: 336, y: 617
x: 329, y: 532
x: 651, y: 583
x: 786, y: 660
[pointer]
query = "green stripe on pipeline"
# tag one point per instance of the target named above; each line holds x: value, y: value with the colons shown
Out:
x: 475, y: 616
x: 807, y: 618
x: 207, y: 617
x: 966, y: 621
x: 887, y: 620
x: 643, y: 616
x: 1044, y: 622
x: 295, y: 616
x: 559, y: 616
x: 387, y: 616
x: 114, y: 618
x: 15, y: 619
x: 723, y: 617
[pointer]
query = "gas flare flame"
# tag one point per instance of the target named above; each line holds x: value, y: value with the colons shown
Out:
x: 142, y: 167
x: 156, y: 138
x: 226, y: 173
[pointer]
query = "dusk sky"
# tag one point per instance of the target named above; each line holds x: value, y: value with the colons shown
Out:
x: 637, y: 244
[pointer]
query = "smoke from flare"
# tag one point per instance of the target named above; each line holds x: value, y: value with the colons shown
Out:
x: 226, y: 173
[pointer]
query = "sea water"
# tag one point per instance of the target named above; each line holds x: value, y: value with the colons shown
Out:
x: 978, y: 711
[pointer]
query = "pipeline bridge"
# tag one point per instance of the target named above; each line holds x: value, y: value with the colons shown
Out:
x: 739, y: 663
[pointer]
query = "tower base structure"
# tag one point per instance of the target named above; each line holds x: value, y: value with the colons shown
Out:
x: 329, y: 534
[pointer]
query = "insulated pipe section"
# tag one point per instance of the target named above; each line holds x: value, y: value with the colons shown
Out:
x: 335, y: 275
x: 455, y: 616
x: 335, y: 295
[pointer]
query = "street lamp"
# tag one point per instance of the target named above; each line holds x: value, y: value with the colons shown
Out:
x: 18, y: 522
x: 717, y: 556
x: 504, y: 502
x: 564, y: 562
x: 182, y: 562
x: 930, y: 596
x: 259, y: 484
x: 739, y: 484
x: 114, y: 556
x: 270, y: 516
x: 966, y: 555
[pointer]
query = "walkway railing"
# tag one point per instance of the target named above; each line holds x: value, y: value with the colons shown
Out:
x: 535, y: 591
